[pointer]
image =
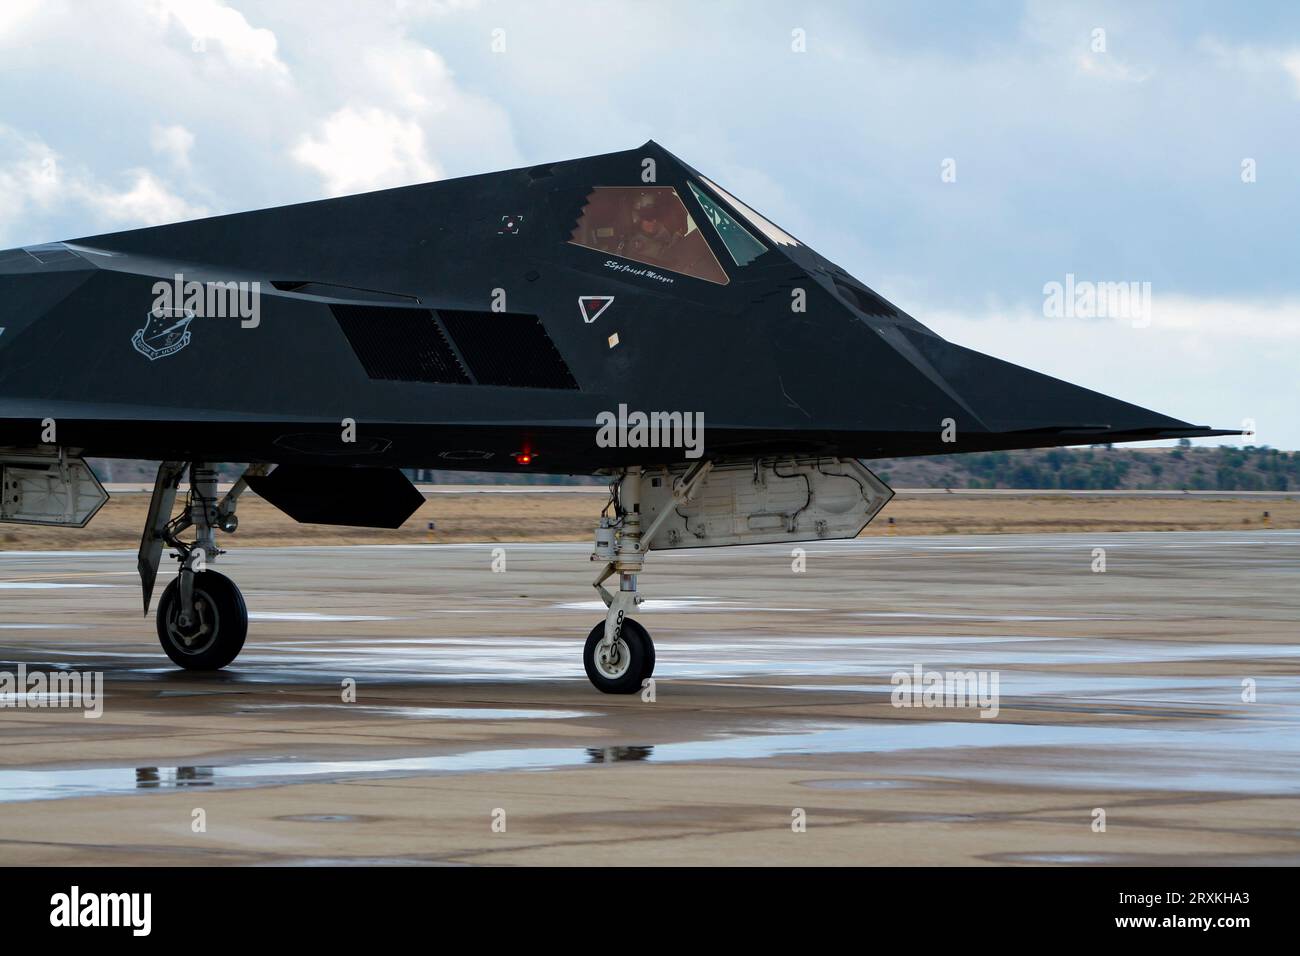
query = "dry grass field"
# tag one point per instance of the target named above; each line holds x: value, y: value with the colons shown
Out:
x: 562, y: 516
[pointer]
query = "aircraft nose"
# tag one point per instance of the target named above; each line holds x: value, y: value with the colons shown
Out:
x: 1010, y: 398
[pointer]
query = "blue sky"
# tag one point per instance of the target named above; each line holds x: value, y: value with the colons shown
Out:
x: 1119, y: 164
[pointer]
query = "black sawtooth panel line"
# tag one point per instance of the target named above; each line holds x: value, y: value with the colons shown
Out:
x: 508, y: 348
x: 401, y: 345
x: 863, y: 299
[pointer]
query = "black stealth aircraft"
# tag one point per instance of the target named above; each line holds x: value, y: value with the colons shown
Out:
x: 620, y: 315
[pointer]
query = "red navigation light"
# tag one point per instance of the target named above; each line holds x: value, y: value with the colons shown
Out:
x: 523, y: 458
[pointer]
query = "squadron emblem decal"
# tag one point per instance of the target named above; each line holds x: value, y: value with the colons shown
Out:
x: 165, y: 332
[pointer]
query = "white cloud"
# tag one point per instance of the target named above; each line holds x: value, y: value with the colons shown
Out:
x: 1257, y: 59
x: 172, y: 143
x: 434, y: 7
x: 268, y: 89
x: 413, y: 77
x: 213, y: 25
x: 1291, y: 63
x: 29, y: 173
x: 35, y: 181
x: 398, y: 116
x: 356, y: 150
x: 1109, y: 67
x: 14, y: 13
x: 145, y: 202
x: 1271, y: 319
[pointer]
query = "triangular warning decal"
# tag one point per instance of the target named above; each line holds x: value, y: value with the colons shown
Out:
x: 593, y: 306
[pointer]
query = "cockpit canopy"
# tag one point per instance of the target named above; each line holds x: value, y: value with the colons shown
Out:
x: 653, y: 226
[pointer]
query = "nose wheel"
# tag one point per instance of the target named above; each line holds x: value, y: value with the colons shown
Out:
x: 619, y: 666
x: 212, y: 634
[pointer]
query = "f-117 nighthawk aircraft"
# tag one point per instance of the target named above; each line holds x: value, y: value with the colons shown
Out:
x: 588, y: 317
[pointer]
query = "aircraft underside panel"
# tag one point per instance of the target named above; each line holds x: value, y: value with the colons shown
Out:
x: 354, y: 497
x: 764, y: 501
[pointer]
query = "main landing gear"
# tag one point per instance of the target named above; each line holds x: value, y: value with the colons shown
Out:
x: 212, y: 634
x: 202, y: 618
x: 619, y: 655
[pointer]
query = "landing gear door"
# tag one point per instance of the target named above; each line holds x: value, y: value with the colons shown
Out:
x: 49, y: 490
x: 764, y: 501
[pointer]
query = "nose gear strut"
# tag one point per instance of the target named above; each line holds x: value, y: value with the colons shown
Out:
x: 619, y: 655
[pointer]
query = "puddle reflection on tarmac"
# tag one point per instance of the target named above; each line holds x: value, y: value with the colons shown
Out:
x: 1109, y: 682
x: 1157, y: 756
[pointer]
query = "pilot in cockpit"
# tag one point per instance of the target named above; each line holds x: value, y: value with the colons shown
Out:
x: 655, y: 230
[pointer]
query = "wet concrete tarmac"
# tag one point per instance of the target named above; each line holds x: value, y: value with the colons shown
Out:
x: 1164, y: 691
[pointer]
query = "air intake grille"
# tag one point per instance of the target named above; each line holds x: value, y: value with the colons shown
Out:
x: 403, y: 345
x: 507, y: 348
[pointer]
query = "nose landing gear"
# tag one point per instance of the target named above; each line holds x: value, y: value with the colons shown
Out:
x: 619, y: 655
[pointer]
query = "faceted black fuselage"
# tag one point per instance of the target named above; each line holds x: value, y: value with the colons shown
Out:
x: 444, y: 320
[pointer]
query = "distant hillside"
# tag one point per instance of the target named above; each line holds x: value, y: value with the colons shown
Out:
x: 1098, y: 468
x: 1101, y: 468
